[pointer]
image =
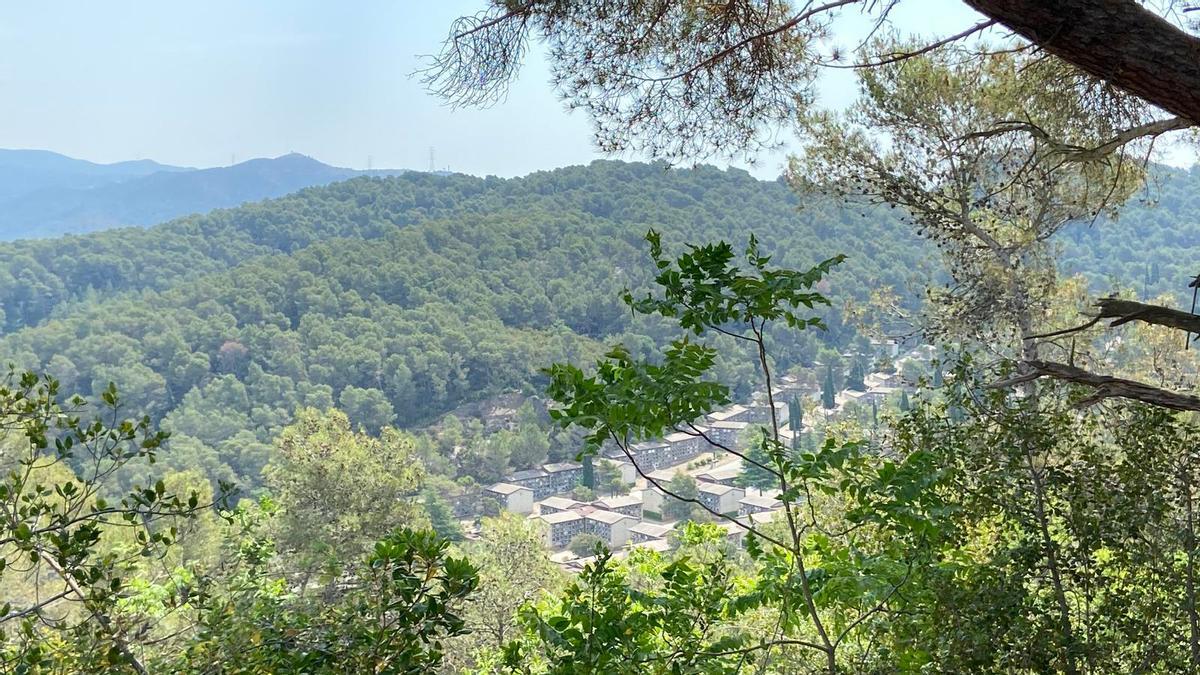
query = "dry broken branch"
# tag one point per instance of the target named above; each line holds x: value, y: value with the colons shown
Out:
x: 1105, y: 386
x: 1125, y: 311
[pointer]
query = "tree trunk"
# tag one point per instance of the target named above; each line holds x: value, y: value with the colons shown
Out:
x: 1189, y: 541
x: 1118, y: 41
x: 1051, y: 552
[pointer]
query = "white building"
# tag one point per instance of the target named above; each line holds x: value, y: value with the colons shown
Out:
x: 722, y: 475
x: 757, y: 504
x: 515, y: 498
x: 610, y: 526
x: 557, y: 504
x: 727, y: 433
x: 562, y: 526
x: 734, y: 413
x: 735, y: 533
x: 762, y: 517
x: 721, y: 498
x: 652, y: 501
x: 627, y: 471
x: 629, y: 505
x: 644, y: 531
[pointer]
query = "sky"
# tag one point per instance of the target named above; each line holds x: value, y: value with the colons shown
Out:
x: 209, y: 83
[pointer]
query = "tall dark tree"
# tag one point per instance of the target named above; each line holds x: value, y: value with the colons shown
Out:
x: 795, y: 415
x: 854, y: 379
x: 588, y: 479
x: 828, y: 395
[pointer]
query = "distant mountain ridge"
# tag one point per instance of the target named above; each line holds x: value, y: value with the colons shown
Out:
x: 25, y: 171
x: 44, y: 194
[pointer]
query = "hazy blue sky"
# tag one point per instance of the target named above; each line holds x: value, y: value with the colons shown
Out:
x: 198, y: 83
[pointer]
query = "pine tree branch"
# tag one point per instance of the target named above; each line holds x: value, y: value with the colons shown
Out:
x: 1125, y: 311
x: 1105, y: 386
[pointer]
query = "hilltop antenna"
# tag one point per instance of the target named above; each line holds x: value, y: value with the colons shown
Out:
x: 232, y: 158
x: 369, y: 158
x: 432, y: 168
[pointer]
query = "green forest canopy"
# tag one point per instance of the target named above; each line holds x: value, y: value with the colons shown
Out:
x: 399, y: 299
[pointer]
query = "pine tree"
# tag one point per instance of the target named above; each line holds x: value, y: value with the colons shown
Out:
x: 441, y: 516
x: 754, y: 475
x: 905, y: 406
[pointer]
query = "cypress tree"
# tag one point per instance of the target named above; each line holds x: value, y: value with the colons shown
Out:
x: 827, y: 393
x: 588, y: 479
x: 795, y: 414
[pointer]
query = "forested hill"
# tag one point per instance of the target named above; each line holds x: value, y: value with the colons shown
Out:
x: 37, y: 276
x: 396, y: 299
x: 1153, y: 248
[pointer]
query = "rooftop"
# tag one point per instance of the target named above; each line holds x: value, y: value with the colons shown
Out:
x: 607, y: 517
x: 559, y: 517
x: 726, y: 472
x: 733, y: 528
x: 560, y: 466
x: 715, y: 489
x: 649, y: 529
x: 506, y: 488
x: 763, y: 516
x: 617, y: 502
x: 761, y: 501
x: 526, y: 474
x: 663, y: 475
x: 680, y: 437
x: 560, y: 503
x: 660, y: 545
x: 723, y: 424
x: 722, y: 415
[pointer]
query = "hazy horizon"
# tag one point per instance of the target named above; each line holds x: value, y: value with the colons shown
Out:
x: 207, y: 86
x: 213, y: 85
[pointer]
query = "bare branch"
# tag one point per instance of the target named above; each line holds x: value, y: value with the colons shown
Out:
x: 1065, y: 331
x: 1106, y: 386
x: 896, y: 57
x: 1073, y: 153
x: 1125, y: 311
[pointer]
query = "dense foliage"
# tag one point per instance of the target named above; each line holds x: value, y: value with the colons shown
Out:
x: 399, y: 299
